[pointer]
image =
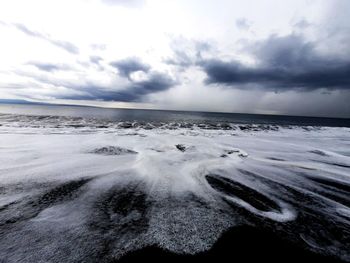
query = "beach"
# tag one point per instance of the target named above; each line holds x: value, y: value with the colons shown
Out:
x: 76, y: 190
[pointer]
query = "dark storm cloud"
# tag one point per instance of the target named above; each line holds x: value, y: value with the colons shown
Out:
x: 69, y: 47
x: 134, y: 92
x: 128, y: 66
x: 283, y: 63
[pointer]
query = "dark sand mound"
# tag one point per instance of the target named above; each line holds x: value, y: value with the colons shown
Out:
x: 318, y: 152
x: 62, y: 192
x: 113, y: 150
x: 26, y: 209
x: 334, y: 184
x: 334, y: 189
x: 235, y: 189
x: 181, y: 147
x: 342, y: 165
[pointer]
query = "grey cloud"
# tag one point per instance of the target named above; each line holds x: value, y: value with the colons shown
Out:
x: 243, y: 24
x: 290, y: 51
x: 95, y: 59
x: 134, y: 92
x: 49, y: 67
x: 27, y: 31
x: 283, y: 63
x: 180, y: 58
x: 128, y: 66
x: 69, y: 47
x: 302, y: 24
x: 186, y: 52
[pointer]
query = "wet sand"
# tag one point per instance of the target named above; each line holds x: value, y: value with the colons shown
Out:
x: 239, y: 244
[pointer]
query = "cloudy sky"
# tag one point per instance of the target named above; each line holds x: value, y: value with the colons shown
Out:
x: 255, y: 56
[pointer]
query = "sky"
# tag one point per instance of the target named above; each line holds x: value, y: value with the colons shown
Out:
x: 254, y: 56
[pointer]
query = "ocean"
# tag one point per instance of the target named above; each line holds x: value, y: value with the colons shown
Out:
x: 166, y: 116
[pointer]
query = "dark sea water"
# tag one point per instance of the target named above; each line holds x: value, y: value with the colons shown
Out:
x: 169, y: 116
